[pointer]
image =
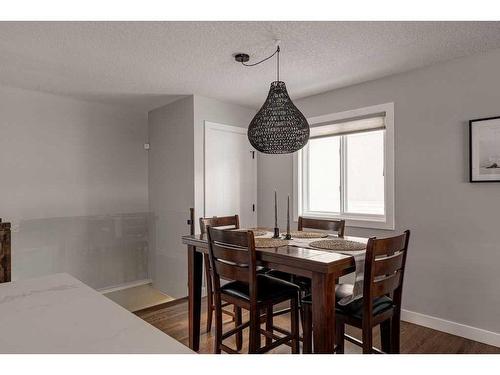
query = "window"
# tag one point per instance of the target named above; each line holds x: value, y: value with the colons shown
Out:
x: 346, y: 169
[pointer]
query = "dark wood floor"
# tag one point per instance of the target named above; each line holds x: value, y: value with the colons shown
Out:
x: 173, y: 320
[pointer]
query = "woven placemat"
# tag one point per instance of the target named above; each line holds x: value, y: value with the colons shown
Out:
x: 256, y: 232
x: 338, y: 245
x: 270, y: 242
x: 265, y: 229
x: 302, y: 234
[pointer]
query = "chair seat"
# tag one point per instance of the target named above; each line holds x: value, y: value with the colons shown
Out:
x: 268, y: 289
x: 303, y: 283
x: 355, y: 308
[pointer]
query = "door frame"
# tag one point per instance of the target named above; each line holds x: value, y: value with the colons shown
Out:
x: 226, y: 128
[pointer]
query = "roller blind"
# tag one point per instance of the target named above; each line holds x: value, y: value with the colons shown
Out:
x: 350, y: 126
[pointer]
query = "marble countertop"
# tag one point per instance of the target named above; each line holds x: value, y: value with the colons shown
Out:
x: 60, y: 314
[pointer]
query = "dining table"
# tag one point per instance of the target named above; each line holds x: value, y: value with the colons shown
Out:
x: 323, y: 267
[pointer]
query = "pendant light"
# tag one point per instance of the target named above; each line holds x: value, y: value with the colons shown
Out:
x: 279, y: 127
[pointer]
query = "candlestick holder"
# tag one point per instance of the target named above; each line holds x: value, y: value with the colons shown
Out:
x: 288, y: 236
x: 276, y: 233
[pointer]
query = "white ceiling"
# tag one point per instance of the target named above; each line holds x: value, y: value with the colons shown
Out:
x: 147, y: 64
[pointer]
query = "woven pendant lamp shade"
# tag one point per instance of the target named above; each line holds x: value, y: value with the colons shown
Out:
x: 279, y: 127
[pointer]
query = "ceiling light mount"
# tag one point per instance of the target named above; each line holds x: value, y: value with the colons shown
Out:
x: 241, y: 57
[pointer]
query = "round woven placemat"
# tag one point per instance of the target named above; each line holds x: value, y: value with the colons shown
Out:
x: 256, y: 232
x: 339, y: 245
x: 259, y: 231
x: 270, y: 242
x: 302, y: 234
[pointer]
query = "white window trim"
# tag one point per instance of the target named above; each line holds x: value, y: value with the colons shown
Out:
x: 362, y: 221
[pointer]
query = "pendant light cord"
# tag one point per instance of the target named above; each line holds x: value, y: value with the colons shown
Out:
x: 267, y: 58
x: 278, y: 64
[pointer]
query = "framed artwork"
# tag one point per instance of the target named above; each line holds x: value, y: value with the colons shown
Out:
x: 484, y: 149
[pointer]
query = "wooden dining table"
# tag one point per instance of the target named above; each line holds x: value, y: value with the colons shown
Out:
x: 321, y: 266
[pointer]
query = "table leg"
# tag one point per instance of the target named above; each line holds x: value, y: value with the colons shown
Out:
x: 195, y: 266
x: 323, y: 312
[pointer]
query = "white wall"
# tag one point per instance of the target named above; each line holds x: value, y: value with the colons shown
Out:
x: 452, y: 269
x: 74, y: 185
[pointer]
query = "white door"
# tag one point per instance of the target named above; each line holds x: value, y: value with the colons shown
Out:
x: 230, y: 174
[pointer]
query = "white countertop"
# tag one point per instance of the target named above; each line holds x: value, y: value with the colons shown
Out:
x: 60, y: 314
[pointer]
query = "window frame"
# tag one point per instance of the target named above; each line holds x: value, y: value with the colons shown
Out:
x: 300, y: 190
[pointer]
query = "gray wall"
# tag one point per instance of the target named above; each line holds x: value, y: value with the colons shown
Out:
x: 171, y: 193
x: 74, y: 185
x: 454, y: 250
x: 176, y: 180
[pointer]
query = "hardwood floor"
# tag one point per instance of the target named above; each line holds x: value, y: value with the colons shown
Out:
x: 414, y: 339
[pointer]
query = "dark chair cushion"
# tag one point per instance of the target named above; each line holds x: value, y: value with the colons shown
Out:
x: 268, y: 289
x: 303, y: 283
x: 355, y: 308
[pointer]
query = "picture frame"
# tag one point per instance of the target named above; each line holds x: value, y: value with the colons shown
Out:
x: 484, y: 149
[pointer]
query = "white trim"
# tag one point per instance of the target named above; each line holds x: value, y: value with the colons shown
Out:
x: 225, y: 128
x: 131, y: 284
x: 457, y: 329
x: 363, y: 221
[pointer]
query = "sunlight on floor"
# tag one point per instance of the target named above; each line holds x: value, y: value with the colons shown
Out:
x: 138, y: 297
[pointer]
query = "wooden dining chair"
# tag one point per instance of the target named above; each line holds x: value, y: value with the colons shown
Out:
x: 230, y: 222
x: 381, y: 303
x: 233, y: 257
x: 337, y: 226
x: 5, y: 252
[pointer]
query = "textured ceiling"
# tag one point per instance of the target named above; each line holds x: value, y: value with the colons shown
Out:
x: 147, y: 64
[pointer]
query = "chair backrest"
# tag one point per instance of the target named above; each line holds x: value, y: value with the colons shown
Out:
x: 384, y: 269
x: 5, y: 252
x: 223, y: 221
x: 232, y: 257
x: 322, y: 224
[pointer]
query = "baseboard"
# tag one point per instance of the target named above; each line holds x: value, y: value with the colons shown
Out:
x: 457, y: 329
x: 124, y: 286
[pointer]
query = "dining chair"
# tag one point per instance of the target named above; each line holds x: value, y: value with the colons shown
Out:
x: 5, y: 252
x: 233, y: 257
x: 304, y: 283
x: 229, y: 222
x: 381, y: 303
x: 337, y: 226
